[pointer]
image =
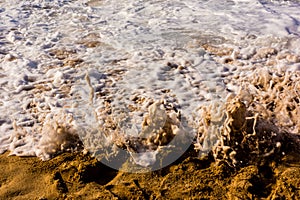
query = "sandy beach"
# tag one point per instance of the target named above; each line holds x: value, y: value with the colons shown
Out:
x: 78, y: 176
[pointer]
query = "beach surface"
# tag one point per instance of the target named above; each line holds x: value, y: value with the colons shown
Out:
x: 78, y: 176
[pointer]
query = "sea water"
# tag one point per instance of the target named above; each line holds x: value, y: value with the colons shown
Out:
x: 95, y: 68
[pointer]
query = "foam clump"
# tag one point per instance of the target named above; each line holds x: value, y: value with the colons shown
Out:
x: 275, y: 95
x: 212, y: 117
x: 57, y: 134
x: 159, y: 127
x: 261, y: 120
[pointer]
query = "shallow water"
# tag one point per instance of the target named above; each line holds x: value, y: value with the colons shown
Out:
x: 92, y: 60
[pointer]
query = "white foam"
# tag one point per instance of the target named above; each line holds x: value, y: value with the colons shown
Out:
x: 145, y: 48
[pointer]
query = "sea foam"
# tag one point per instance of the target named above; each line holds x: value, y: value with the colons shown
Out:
x: 82, y: 72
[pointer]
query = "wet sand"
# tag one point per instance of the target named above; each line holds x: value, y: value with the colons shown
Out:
x: 78, y: 176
